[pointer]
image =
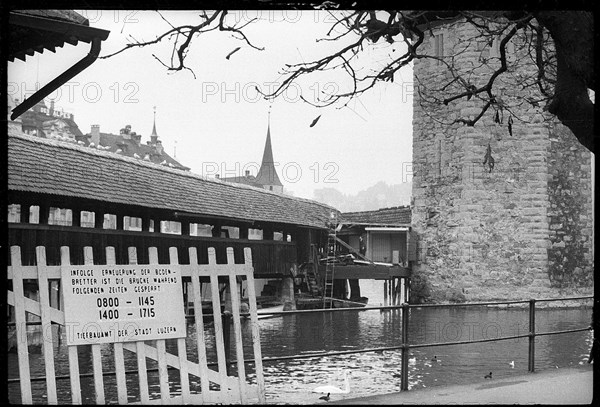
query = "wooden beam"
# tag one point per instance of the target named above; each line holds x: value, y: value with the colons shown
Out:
x: 185, y: 227
x: 44, y: 214
x: 76, y: 217
x: 98, y: 220
x: 119, y: 221
x: 145, y: 223
x: 25, y: 212
x: 267, y: 233
x: 352, y: 249
x: 370, y: 272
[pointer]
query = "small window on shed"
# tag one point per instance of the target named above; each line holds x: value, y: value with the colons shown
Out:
x: 60, y: 216
x: 14, y: 213
x: 87, y: 219
x: 171, y: 227
x: 255, y: 234
x: 110, y: 221
x: 234, y: 232
x: 132, y: 223
x: 34, y: 214
x: 198, y: 229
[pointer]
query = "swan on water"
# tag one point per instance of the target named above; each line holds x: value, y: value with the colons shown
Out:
x: 329, y: 389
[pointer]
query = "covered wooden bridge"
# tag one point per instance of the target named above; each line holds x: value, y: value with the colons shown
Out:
x: 64, y: 194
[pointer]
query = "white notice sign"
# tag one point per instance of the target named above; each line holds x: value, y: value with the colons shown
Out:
x: 122, y: 303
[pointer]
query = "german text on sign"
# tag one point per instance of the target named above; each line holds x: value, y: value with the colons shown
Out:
x: 122, y: 303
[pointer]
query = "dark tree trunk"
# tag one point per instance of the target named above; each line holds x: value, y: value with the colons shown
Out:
x: 573, y: 35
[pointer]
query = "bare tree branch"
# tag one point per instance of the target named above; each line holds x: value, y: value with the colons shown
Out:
x: 557, y: 44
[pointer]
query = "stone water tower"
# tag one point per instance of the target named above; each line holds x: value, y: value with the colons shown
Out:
x: 520, y: 229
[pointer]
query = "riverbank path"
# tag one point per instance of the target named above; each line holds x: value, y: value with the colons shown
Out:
x: 561, y: 386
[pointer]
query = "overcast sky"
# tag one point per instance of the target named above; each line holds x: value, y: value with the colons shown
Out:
x: 217, y: 121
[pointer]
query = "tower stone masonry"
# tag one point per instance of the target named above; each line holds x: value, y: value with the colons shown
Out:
x: 520, y: 229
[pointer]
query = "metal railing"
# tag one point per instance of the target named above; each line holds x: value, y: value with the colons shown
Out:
x: 404, y: 346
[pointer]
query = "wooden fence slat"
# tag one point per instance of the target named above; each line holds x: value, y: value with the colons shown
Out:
x: 47, y: 340
x: 181, y: 348
x: 163, y: 373
x: 30, y: 272
x: 237, y: 328
x: 229, y: 386
x: 183, y: 370
x: 139, y: 346
x: 88, y: 259
x: 21, y: 327
x: 260, y: 380
x: 120, y: 373
x: 33, y: 307
x: 175, y: 362
x: 118, y: 346
x: 98, y: 376
x: 199, y: 320
x: 65, y: 260
x: 218, y: 322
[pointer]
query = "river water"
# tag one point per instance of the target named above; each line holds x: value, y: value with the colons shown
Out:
x: 292, y: 381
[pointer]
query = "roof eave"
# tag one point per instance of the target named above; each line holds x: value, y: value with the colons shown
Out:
x: 70, y: 31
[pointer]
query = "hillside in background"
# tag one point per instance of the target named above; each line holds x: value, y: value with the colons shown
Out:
x: 380, y: 195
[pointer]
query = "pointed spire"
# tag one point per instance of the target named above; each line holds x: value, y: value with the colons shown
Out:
x: 267, y: 175
x: 154, y: 135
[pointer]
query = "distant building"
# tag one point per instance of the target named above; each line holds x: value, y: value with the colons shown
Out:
x: 48, y: 122
x: 267, y: 177
x: 129, y: 143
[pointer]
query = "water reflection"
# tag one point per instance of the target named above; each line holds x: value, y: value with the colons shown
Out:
x: 292, y: 381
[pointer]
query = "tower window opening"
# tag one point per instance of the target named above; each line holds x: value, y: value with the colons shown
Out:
x: 439, y: 47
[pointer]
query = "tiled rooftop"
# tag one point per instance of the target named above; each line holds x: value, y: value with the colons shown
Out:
x: 399, y: 215
x: 60, y: 168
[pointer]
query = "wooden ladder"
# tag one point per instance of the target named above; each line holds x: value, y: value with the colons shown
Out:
x: 331, y: 251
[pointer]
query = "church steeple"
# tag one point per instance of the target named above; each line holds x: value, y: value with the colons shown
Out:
x: 267, y: 175
x: 154, y: 135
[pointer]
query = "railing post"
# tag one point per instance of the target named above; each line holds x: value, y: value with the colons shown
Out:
x: 226, y: 318
x: 405, y: 348
x: 531, y: 335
